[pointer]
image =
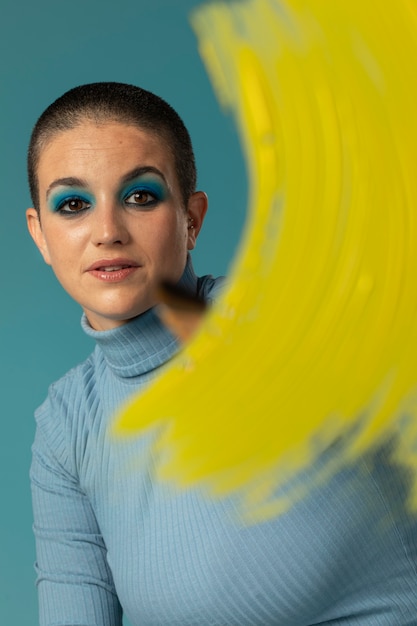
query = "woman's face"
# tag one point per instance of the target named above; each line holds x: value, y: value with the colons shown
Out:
x: 112, y: 221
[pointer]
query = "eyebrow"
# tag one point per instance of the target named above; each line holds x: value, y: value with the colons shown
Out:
x: 72, y: 181
x: 140, y: 171
x: 65, y: 182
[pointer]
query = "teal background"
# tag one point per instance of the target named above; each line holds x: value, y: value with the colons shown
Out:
x: 47, y: 47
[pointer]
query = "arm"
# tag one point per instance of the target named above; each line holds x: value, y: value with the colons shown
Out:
x: 74, y: 581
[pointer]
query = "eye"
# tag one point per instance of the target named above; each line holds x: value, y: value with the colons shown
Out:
x: 142, y: 198
x: 72, y: 205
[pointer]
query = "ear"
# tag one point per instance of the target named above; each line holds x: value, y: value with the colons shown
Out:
x: 35, y: 230
x: 196, y: 209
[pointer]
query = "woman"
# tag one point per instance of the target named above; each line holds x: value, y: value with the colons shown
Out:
x: 112, y: 179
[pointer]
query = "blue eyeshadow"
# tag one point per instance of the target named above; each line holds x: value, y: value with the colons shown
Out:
x: 57, y: 199
x: 155, y: 187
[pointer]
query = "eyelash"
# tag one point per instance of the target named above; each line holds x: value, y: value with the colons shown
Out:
x: 153, y: 198
x: 66, y: 201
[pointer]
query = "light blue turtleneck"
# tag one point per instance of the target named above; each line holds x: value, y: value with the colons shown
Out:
x: 109, y: 534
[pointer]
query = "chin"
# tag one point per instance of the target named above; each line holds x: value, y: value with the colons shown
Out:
x: 126, y: 315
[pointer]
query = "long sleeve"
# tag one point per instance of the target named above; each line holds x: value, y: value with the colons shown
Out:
x: 74, y: 581
x: 110, y: 533
x: 91, y: 539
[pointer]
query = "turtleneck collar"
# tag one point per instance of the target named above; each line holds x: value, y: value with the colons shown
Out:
x: 143, y: 343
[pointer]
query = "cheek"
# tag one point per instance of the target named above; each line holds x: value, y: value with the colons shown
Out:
x: 179, y: 241
x: 63, y: 247
x: 170, y: 233
x: 170, y: 248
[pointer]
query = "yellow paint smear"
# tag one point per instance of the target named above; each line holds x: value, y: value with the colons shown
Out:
x: 316, y: 335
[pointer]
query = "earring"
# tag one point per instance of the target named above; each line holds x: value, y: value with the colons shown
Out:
x: 190, y: 223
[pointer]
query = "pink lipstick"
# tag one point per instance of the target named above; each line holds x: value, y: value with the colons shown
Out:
x: 112, y: 270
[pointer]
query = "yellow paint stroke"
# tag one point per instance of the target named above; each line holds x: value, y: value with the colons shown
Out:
x: 316, y: 336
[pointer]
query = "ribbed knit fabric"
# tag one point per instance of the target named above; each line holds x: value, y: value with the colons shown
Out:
x: 109, y: 534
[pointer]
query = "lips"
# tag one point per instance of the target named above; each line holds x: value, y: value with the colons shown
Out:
x: 111, y: 265
x: 112, y: 270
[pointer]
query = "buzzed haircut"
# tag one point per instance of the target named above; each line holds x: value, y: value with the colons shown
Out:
x: 114, y: 102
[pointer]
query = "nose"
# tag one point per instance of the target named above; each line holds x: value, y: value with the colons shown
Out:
x: 109, y: 226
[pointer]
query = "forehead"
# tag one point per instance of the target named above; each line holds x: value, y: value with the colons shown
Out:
x: 109, y: 147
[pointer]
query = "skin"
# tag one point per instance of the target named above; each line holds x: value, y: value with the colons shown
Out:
x: 145, y: 235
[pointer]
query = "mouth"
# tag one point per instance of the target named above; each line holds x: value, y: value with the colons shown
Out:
x: 112, y: 270
x: 112, y: 265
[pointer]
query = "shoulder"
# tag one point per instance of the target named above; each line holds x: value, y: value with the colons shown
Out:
x: 68, y: 397
x: 62, y: 389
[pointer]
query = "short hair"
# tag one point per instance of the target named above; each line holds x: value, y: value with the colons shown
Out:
x: 120, y: 102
